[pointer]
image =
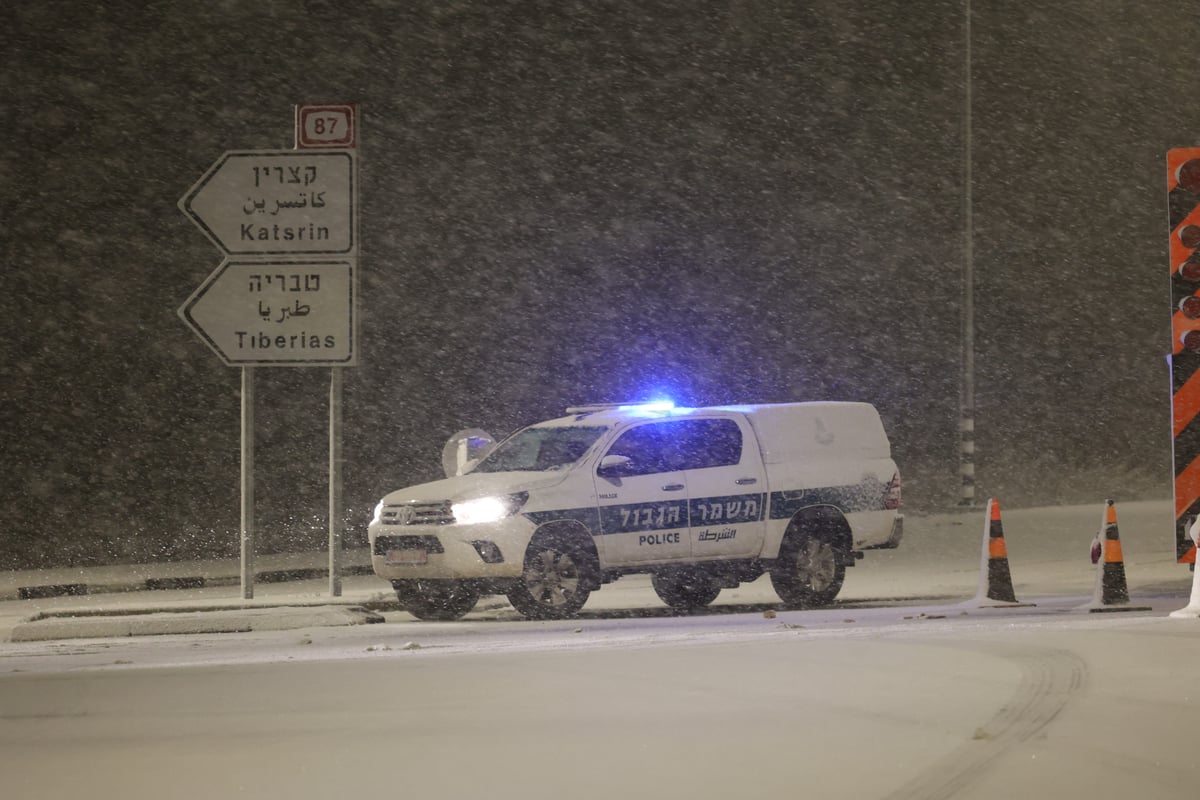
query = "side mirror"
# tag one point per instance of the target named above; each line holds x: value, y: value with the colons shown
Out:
x: 464, y: 450
x: 615, y: 466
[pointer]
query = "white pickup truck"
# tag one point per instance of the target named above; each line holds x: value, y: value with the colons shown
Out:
x: 700, y: 498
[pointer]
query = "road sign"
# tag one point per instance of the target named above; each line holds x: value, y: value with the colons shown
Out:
x: 330, y: 125
x: 277, y: 313
x: 277, y: 202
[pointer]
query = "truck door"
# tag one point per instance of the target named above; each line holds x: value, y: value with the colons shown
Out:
x: 726, y: 488
x: 643, y: 497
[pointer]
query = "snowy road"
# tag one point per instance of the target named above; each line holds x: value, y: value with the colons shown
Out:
x: 886, y: 696
x: 851, y: 702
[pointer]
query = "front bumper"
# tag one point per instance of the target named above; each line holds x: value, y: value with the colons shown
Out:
x: 450, y: 552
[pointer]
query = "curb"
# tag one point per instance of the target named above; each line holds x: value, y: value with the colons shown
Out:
x: 228, y: 620
x: 53, y: 590
x: 175, y: 583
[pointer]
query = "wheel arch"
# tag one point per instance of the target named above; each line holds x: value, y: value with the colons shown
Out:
x: 561, y: 568
x: 822, y: 521
x: 572, y: 529
x: 811, y: 566
x: 568, y: 528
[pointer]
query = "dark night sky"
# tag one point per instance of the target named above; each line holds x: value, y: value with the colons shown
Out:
x: 574, y: 202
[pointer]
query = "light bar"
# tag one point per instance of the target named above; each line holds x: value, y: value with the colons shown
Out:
x: 653, y: 405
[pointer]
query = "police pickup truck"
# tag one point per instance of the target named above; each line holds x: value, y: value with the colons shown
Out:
x: 700, y: 498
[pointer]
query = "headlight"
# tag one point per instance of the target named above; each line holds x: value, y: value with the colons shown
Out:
x: 378, y: 511
x: 488, y: 509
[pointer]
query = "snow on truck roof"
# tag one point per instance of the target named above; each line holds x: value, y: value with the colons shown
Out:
x: 785, y: 431
x: 622, y: 411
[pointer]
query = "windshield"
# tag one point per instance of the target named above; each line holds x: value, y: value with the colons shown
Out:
x: 538, y: 449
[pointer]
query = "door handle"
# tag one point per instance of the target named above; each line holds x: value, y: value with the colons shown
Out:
x: 746, y: 481
x: 672, y: 487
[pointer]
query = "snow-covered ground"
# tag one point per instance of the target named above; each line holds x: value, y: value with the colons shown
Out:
x: 1048, y: 551
x: 1034, y: 702
x: 884, y: 696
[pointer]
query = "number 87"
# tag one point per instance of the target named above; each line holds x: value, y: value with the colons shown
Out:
x: 322, y: 126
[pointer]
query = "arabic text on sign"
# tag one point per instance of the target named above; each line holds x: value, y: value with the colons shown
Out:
x: 273, y: 207
x: 297, y: 310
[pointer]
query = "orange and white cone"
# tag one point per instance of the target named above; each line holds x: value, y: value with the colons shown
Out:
x: 1192, y: 609
x: 1111, y: 592
x: 995, y: 579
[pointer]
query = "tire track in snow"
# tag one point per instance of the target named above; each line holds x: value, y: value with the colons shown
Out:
x: 1049, y: 678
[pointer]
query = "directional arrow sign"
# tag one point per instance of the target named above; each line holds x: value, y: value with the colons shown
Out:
x: 277, y: 313
x: 277, y: 202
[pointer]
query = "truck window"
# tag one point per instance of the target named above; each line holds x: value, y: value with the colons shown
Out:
x: 537, y: 449
x: 651, y: 448
x: 680, y: 444
x: 710, y: 443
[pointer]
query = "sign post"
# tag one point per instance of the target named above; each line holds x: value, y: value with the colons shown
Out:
x: 247, y: 484
x: 335, y: 482
x: 286, y: 294
x: 331, y: 126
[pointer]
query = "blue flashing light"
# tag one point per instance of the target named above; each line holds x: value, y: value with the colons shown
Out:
x: 651, y: 406
x: 648, y: 407
x: 657, y: 405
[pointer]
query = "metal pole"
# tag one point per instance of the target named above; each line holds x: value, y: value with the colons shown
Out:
x: 335, y: 481
x: 966, y: 423
x: 247, y: 483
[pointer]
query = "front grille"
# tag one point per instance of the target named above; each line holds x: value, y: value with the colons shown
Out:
x: 417, y: 514
x: 429, y: 544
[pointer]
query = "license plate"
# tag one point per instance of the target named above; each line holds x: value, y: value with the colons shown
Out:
x: 410, y: 556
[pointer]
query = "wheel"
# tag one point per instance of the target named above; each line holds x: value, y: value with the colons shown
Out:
x: 808, y: 572
x: 436, y: 600
x: 684, y: 589
x: 559, y: 575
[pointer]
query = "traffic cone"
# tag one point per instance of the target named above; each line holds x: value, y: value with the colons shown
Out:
x: 1111, y: 592
x: 1192, y: 609
x: 995, y: 579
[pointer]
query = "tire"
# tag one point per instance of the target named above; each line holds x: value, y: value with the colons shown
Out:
x: 809, y: 571
x: 559, y: 574
x: 684, y: 590
x: 436, y: 600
